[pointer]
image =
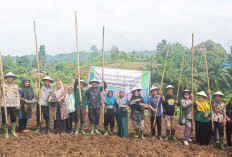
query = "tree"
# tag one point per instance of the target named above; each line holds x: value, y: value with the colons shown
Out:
x: 114, y: 53
x: 24, y: 61
x: 124, y: 55
x: 8, y: 63
x: 42, y: 56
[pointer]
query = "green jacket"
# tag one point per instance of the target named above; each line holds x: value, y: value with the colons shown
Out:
x: 77, y: 96
x: 199, y: 116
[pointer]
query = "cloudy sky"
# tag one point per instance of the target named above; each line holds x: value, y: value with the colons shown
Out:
x: 130, y: 24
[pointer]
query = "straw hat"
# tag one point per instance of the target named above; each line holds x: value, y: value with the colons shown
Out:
x: 10, y: 74
x: 170, y: 87
x: 186, y: 91
x: 82, y: 81
x: 202, y: 93
x: 136, y: 89
x: 154, y: 88
x: 218, y: 93
x: 48, y: 78
x: 94, y: 80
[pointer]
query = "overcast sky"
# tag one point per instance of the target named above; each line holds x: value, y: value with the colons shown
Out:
x: 130, y: 24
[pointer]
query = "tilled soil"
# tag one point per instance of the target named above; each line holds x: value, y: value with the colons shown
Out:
x: 30, y: 144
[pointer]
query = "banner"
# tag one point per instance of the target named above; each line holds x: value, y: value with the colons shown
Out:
x: 123, y: 79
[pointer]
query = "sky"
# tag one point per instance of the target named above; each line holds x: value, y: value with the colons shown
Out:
x: 129, y: 24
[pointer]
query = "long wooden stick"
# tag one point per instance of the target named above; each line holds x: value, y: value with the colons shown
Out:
x: 207, y: 74
x: 117, y: 83
x: 3, y: 89
x: 192, y: 76
x: 178, y: 89
x: 103, y: 59
x: 78, y: 60
x: 161, y: 84
x: 38, y: 67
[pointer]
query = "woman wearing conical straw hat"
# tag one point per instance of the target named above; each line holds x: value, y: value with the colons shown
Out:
x: 219, y: 118
x: 12, y: 103
x: 202, y: 115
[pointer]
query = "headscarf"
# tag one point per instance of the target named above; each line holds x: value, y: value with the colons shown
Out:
x: 110, y: 100
x: 59, y: 92
x: 203, y: 106
x: 27, y: 92
x: 121, y: 100
x: 70, y: 101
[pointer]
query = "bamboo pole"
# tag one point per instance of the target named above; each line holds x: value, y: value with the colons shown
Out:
x: 207, y: 74
x: 78, y: 60
x: 3, y: 89
x: 178, y: 89
x: 161, y: 84
x: 192, y: 76
x: 103, y: 59
x: 38, y: 67
x: 117, y: 83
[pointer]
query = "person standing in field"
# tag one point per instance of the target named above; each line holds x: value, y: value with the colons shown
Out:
x: 229, y: 122
x: 70, y: 104
x: 60, y: 112
x: 219, y: 118
x: 46, y: 91
x: 152, y: 103
x: 109, y: 114
x: 94, y: 104
x: 202, y: 114
x: 81, y: 109
x: 26, y: 93
x: 137, y: 105
x: 12, y: 103
x: 121, y: 114
x: 169, y: 102
x: 186, y: 104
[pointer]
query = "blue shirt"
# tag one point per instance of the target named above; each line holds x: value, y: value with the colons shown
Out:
x: 153, y: 102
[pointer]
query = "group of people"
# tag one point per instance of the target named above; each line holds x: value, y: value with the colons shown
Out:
x: 64, y: 107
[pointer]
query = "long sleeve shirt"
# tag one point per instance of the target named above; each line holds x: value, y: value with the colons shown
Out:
x: 11, y: 95
x: 94, y: 96
x: 77, y: 96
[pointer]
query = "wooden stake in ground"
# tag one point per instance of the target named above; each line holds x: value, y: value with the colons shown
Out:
x: 207, y: 74
x: 192, y: 76
x: 78, y: 60
x: 178, y: 89
x: 103, y: 59
x: 3, y: 89
x: 161, y: 84
x: 38, y: 67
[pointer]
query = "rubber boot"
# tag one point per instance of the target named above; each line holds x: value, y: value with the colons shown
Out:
x: 5, y: 129
x: 38, y: 128
x: 136, y: 133
x: 111, y: 130
x: 76, y: 129
x: 92, y: 129
x: 221, y: 140
x: 96, y: 129
x: 213, y: 141
x: 167, y: 135
x: 173, y: 135
x: 48, y: 127
x: 141, y: 135
x: 13, y: 127
x: 106, y: 131
x: 82, y: 129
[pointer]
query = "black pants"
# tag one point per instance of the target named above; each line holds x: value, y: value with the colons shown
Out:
x: 220, y: 127
x: 45, y: 111
x: 69, y: 121
x: 228, y: 132
x: 158, y: 124
x: 80, y: 115
x: 109, y: 119
x: 94, y: 115
x: 22, y: 124
x: 203, y: 132
x: 12, y: 111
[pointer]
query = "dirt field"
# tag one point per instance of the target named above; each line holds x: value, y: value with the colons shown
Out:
x: 98, y: 145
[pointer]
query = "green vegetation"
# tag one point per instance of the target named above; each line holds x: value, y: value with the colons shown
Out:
x: 63, y: 66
